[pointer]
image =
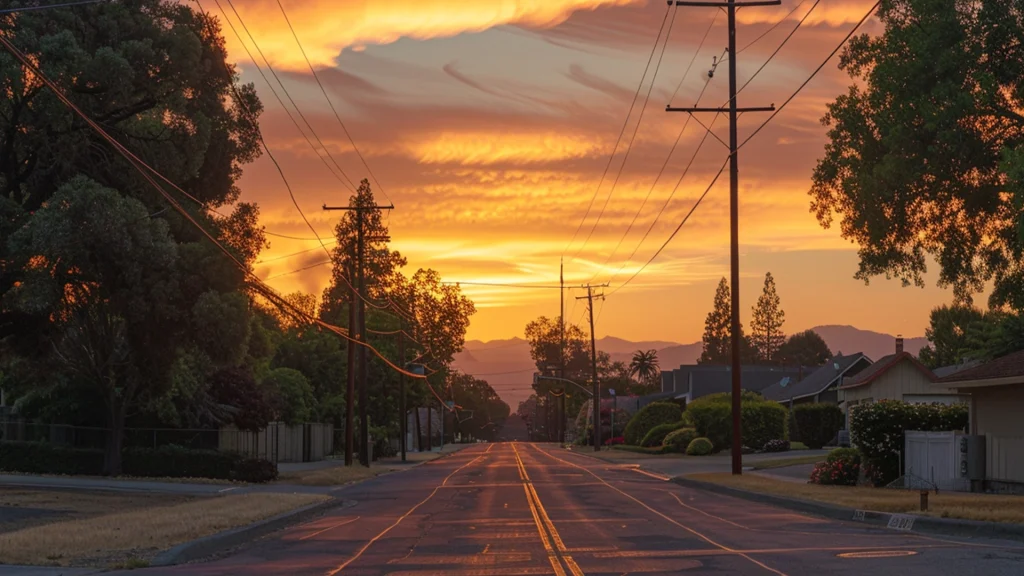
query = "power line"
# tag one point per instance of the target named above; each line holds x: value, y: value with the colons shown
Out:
x: 47, y: 6
x: 297, y: 270
x: 632, y: 139
x: 756, y: 131
x: 622, y: 131
x: 663, y: 165
x: 293, y: 254
x: 346, y: 182
x: 144, y: 170
x: 499, y: 284
x: 329, y: 102
x: 772, y: 29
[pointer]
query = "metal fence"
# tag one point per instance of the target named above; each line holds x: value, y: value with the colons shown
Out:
x: 277, y: 442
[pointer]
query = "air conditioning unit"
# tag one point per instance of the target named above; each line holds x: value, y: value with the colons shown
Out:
x: 971, y: 449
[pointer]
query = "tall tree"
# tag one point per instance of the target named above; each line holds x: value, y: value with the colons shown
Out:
x: 948, y: 334
x: 766, y: 325
x: 717, y: 337
x: 805, y: 348
x: 926, y: 149
x: 644, y: 366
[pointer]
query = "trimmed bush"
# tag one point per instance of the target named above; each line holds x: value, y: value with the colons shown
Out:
x: 776, y: 446
x: 817, y: 424
x: 164, y: 462
x: 679, y: 440
x: 648, y: 417
x: 44, y: 458
x: 762, y: 420
x: 656, y: 436
x: 700, y: 447
x: 840, y: 468
x: 878, y: 431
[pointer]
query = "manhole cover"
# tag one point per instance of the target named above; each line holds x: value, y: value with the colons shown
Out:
x: 877, y: 554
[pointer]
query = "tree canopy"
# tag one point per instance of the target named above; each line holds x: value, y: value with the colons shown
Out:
x: 766, y: 326
x: 717, y: 337
x: 805, y: 348
x: 926, y: 149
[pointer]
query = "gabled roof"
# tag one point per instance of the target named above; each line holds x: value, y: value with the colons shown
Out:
x: 1007, y: 366
x: 815, y: 383
x: 884, y: 364
x: 754, y: 378
x: 944, y: 371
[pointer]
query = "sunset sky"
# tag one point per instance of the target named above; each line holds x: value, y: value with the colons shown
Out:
x: 489, y: 123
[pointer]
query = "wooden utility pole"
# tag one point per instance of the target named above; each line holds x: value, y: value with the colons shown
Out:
x: 731, y: 6
x: 561, y: 347
x: 593, y: 364
x: 364, y: 418
x: 350, y: 388
x: 404, y: 416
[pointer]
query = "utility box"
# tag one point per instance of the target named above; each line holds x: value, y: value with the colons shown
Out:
x: 971, y: 455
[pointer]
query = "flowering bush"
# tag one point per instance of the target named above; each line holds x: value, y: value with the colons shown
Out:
x: 614, y: 440
x: 840, y: 468
x: 776, y: 446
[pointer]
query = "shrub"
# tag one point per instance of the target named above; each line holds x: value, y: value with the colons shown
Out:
x: 840, y: 468
x: 776, y: 446
x: 648, y: 417
x: 255, y: 470
x: 762, y: 420
x: 656, y: 436
x: 699, y: 447
x: 614, y: 441
x: 817, y: 424
x: 679, y: 440
x: 878, y: 431
x: 163, y: 462
x: 44, y: 458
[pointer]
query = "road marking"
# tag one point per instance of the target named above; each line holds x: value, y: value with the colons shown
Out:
x: 667, y: 518
x: 901, y: 522
x: 319, y: 532
x: 384, y: 532
x: 878, y: 554
x: 545, y: 526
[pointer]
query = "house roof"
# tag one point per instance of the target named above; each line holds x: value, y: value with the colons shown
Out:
x: 817, y: 382
x: 754, y: 378
x: 1009, y: 366
x: 944, y: 371
x: 884, y: 364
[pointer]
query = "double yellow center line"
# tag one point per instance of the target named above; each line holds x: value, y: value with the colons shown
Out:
x: 557, y: 553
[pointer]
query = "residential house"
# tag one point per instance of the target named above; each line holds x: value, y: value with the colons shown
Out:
x: 997, y: 404
x: 821, y: 385
x: 690, y: 382
x: 898, y: 376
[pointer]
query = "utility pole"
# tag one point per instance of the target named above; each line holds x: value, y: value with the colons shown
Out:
x: 364, y: 418
x: 561, y: 347
x: 350, y: 388
x: 401, y: 386
x: 593, y: 364
x: 731, y: 6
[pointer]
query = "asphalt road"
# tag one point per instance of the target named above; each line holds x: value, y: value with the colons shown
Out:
x: 521, y: 509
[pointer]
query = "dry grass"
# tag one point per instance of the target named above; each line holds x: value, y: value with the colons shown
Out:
x: 985, y: 507
x: 76, y: 504
x: 135, y: 535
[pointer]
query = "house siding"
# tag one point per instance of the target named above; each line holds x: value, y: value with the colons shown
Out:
x: 900, y: 380
x: 997, y: 412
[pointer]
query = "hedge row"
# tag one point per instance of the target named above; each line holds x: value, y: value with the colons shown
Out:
x: 877, y: 429
x: 164, y: 462
x: 656, y: 436
x: 762, y: 420
x: 648, y: 417
x: 817, y: 424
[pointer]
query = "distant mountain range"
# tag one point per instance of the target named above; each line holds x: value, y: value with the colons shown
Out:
x: 507, y: 366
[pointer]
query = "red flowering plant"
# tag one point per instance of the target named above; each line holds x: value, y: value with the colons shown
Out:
x: 840, y: 468
x: 614, y: 440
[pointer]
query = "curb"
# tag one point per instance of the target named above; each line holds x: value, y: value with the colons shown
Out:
x: 210, y: 545
x: 898, y: 522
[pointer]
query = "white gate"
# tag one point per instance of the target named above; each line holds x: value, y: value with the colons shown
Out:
x: 932, y: 457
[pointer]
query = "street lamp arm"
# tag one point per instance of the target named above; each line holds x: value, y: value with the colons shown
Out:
x: 580, y: 386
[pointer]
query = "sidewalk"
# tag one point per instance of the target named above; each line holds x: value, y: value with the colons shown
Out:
x: 678, y: 465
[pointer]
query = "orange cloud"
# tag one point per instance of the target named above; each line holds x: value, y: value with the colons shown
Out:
x: 326, y: 28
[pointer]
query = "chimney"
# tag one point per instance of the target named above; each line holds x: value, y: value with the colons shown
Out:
x: 899, y: 343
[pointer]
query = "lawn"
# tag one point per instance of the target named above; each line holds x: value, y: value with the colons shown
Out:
x: 136, y: 527
x: 985, y: 507
x: 788, y: 461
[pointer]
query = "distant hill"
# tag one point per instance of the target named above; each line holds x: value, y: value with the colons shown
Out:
x: 507, y: 366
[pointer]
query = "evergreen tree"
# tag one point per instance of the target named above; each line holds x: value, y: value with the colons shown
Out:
x: 766, y: 325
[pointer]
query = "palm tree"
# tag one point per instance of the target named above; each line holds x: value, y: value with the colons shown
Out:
x: 644, y: 366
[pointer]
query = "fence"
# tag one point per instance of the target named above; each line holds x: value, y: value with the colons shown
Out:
x: 277, y: 442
